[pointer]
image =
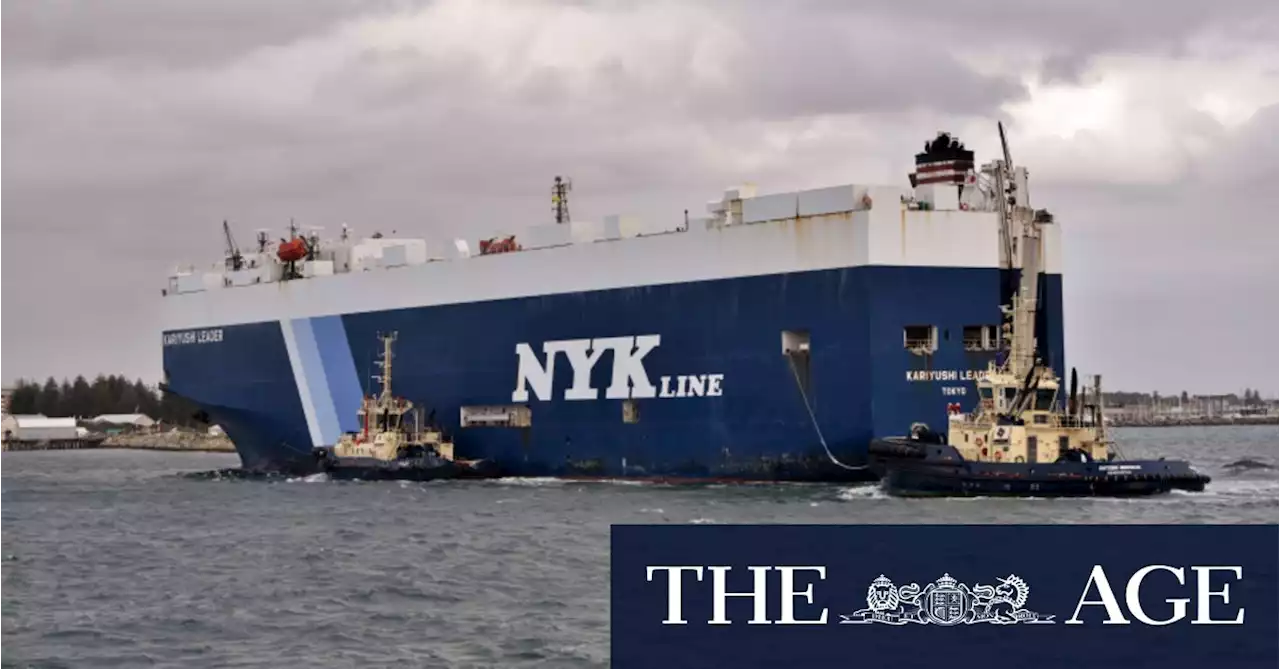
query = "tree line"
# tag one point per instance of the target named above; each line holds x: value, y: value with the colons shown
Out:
x: 105, y: 395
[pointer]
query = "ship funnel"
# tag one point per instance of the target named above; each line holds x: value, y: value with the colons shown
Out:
x: 945, y: 160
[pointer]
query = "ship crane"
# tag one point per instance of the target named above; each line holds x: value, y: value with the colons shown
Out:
x: 1020, y: 232
x: 235, y: 259
x: 1005, y: 191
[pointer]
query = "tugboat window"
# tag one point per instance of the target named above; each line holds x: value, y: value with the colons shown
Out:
x: 1044, y: 399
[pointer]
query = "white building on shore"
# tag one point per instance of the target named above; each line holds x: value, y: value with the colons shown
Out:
x: 137, y: 422
x: 39, y: 428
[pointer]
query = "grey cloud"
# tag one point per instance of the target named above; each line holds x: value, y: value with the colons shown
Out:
x: 1066, y: 35
x: 1173, y: 296
x: 129, y: 148
x: 1247, y: 159
x: 1082, y: 26
x: 148, y: 32
x: 856, y: 63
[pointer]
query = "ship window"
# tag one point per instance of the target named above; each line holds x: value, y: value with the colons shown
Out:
x: 984, y: 393
x: 973, y: 337
x: 980, y: 338
x: 630, y: 411
x: 920, y: 339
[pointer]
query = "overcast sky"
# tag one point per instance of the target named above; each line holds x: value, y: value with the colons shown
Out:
x: 133, y: 128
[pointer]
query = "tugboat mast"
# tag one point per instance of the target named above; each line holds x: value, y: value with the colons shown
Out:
x: 386, y: 401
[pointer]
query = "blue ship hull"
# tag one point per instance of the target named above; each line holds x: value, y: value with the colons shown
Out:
x: 279, y: 388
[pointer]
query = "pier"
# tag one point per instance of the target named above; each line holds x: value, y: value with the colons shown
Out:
x: 52, y: 444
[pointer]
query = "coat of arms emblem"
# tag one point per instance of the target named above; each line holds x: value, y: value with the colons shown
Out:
x: 947, y: 602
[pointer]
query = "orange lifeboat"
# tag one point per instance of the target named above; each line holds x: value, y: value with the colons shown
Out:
x: 495, y: 245
x: 293, y: 250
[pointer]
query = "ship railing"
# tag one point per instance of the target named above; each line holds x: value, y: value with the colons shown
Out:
x: 215, y: 276
x: 1069, y: 421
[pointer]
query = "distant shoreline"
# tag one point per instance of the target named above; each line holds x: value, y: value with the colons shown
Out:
x: 161, y: 441
x: 1196, y: 422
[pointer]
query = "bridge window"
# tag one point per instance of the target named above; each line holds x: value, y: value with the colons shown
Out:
x: 1007, y: 395
x: 920, y: 339
x: 981, y: 338
x: 1044, y: 399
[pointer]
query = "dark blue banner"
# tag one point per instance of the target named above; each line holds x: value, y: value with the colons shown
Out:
x: 953, y: 597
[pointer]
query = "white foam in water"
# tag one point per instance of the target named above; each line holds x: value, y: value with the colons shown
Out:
x: 870, y: 491
x: 703, y: 521
x: 313, y: 478
x: 532, y: 481
x: 1220, y: 487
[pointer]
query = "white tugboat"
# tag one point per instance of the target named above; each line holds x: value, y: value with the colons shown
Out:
x: 393, y: 443
x: 1020, y: 440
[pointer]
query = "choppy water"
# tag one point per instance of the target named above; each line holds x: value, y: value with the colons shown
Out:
x: 113, y: 558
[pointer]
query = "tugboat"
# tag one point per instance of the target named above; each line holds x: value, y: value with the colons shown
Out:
x: 1019, y: 441
x: 393, y: 443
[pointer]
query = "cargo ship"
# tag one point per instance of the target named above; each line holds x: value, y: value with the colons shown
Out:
x: 768, y: 340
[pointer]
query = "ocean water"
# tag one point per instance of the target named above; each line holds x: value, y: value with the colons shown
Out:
x: 123, y: 559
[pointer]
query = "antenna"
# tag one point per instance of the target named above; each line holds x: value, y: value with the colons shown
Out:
x: 560, y: 198
x: 313, y: 241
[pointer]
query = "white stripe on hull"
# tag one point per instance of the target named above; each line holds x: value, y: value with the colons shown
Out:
x: 300, y: 379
